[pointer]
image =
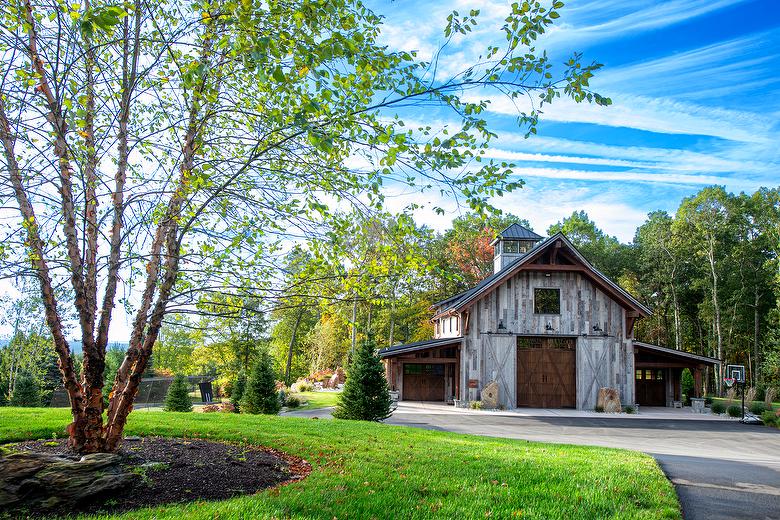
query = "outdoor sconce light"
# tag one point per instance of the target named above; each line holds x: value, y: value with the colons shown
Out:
x: 548, y: 326
x: 501, y: 326
x: 596, y: 328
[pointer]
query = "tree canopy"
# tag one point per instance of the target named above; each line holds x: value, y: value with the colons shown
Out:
x: 169, y: 147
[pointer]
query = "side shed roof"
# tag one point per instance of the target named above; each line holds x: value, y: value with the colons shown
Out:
x: 420, y: 345
x: 666, y: 351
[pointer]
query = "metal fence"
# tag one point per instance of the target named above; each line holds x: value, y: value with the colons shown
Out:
x: 152, y: 390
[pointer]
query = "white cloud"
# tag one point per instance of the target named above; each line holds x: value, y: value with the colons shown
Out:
x: 719, y: 69
x: 759, y: 161
x: 612, y: 214
x: 593, y: 21
x: 658, y: 115
x: 621, y: 176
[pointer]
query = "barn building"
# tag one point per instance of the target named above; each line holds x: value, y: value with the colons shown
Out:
x: 548, y: 328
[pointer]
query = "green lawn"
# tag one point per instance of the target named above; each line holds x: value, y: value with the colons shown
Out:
x: 317, y: 399
x: 366, y: 470
x: 738, y: 400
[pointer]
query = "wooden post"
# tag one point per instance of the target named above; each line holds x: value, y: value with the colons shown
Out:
x: 457, y: 373
x: 697, y: 382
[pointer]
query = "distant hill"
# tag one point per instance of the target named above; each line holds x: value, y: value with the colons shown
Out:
x: 76, y: 346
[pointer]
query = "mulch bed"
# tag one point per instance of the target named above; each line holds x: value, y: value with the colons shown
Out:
x: 183, y: 470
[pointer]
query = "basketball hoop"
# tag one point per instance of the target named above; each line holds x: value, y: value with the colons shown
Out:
x: 729, y: 381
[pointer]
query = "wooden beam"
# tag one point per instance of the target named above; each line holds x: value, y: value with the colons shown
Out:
x: 656, y: 364
x: 426, y: 360
x: 555, y: 267
x: 630, y: 320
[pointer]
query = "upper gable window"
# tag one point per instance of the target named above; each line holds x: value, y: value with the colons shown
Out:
x: 511, y: 247
x: 547, y: 301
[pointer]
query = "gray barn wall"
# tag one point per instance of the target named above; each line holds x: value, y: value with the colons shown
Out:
x: 601, y: 361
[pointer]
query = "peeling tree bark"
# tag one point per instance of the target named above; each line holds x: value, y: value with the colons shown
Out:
x: 74, y: 389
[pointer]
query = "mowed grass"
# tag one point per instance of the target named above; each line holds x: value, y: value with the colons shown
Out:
x: 738, y: 401
x: 365, y: 470
x: 317, y: 399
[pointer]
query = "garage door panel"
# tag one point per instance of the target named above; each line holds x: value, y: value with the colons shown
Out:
x: 423, y: 382
x: 546, y: 376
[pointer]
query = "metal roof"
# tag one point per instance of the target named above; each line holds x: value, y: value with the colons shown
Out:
x: 674, y: 352
x: 519, y: 232
x: 516, y: 232
x: 420, y: 345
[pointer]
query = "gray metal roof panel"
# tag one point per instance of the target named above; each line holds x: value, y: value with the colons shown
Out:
x: 518, y: 232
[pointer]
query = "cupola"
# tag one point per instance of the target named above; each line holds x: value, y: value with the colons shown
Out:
x: 512, y: 243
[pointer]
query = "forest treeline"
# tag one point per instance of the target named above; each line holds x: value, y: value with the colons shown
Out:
x: 709, y: 271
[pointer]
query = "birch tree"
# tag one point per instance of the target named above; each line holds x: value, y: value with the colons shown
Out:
x: 158, y: 150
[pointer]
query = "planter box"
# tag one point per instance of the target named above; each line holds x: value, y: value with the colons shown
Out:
x: 697, y: 405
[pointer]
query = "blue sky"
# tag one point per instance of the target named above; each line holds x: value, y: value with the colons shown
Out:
x: 695, y: 87
x: 696, y: 92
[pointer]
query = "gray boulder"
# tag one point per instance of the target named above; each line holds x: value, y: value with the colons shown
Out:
x: 44, y: 480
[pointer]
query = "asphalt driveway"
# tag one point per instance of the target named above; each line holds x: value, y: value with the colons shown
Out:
x: 721, y: 469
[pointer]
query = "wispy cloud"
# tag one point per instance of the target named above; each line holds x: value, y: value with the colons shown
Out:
x: 725, y: 159
x: 593, y: 21
x: 740, y: 65
x: 634, y: 176
x: 672, y: 128
x: 659, y: 115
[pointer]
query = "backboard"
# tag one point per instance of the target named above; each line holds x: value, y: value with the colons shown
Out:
x: 737, y: 372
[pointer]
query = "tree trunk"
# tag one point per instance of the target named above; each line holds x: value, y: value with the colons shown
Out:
x: 354, y: 326
x: 676, y: 310
x: 368, y: 320
x: 392, y: 319
x: 716, y: 310
x: 756, y: 331
x: 288, y: 367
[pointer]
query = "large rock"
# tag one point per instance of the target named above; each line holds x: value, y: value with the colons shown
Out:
x: 609, y: 400
x: 336, y: 379
x: 44, y: 480
x: 489, y: 396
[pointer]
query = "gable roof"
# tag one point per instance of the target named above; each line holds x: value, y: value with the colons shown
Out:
x: 466, y: 298
x: 516, y: 232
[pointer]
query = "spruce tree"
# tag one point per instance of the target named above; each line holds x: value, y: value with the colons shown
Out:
x: 26, y: 392
x: 260, y: 395
x: 366, y: 396
x: 178, y: 397
x: 238, y: 391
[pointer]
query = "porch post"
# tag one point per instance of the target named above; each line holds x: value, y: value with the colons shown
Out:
x: 457, y: 372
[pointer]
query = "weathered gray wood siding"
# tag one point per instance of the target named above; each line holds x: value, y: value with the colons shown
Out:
x: 601, y: 361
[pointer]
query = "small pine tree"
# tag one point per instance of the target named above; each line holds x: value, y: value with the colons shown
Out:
x: 366, y: 396
x: 178, y: 397
x: 238, y: 391
x: 26, y: 392
x: 260, y: 395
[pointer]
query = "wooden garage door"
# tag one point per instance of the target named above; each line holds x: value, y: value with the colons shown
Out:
x: 650, y: 387
x: 546, y: 372
x: 423, y: 382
